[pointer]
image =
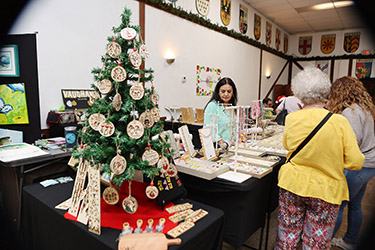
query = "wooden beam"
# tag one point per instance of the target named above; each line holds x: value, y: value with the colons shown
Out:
x: 298, y: 65
x: 260, y: 72
x: 332, y: 69
x: 277, y: 79
x: 142, y: 21
x: 290, y: 70
x: 350, y: 67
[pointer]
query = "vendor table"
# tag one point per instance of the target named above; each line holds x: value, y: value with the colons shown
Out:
x: 45, y: 227
x: 13, y: 174
x: 193, y: 129
x: 245, y: 205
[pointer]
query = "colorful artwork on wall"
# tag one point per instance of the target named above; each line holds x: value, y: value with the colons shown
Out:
x: 277, y: 42
x: 207, y: 78
x: 323, y: 66
x: 257, y: 26
x: 327, y: 44
x: 13, y: 106
x: 351, y: 41
x: 286, y: 43
x: 363, y: 68
x: 268, y: 33
x: 9, y: 61
x: 243, y: 19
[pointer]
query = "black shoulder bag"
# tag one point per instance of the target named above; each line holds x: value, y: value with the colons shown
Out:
x: 280, y: 118
x: 308, y: 138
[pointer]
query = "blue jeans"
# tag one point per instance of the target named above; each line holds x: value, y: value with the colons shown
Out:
x: 357, y: 182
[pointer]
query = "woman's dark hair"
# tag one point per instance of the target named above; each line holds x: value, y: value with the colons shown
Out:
x: 215, y: 95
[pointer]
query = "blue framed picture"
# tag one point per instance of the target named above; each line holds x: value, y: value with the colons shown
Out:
x: 9, y: 66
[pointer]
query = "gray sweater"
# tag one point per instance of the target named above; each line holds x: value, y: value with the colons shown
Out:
x: 363, y: 127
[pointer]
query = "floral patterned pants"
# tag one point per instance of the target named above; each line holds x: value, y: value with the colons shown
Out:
x: 311, y: 217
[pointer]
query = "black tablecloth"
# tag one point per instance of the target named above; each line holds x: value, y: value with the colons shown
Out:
x: 244, y: 204
x: 45, y: 227
x: 193, y: 129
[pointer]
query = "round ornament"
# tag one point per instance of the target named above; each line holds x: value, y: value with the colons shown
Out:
x: 94, y: 95
x: 143, y: 51
x: 135, y: 129
x: 130, y: 205
x: 128, y: 33
x: 155, y: 114
x: 152, y: 192
x: 135, y: 59
x: 118, y: 164
x: 95, y: 120
x: 172, y: 170
x: 114, y: 49
x: 154, y: 97
x: 151, y: 156
x: 118, y: 74
x: 137, y: 91
x: 163, y: 164
x: 117, y: 102
x: 106, y: 129
x: 105, y: 86
x: 146, y: 119
x: 110, y: 196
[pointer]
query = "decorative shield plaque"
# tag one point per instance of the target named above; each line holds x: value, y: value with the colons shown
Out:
x: 257, y: 26
x: 118, y: 74
x: 203, y: 6
x: 277, y: 41
x: 327, y: 44
x: 304, y: 44
x: 286, y: 43
x: 225, y: 7
x: 268, y: 33
x: 351, y: 41
x: 243, y: 19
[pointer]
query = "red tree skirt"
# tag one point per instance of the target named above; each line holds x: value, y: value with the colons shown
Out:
x: 114, y: 216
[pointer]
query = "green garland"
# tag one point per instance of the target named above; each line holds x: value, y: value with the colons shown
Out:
x: 195, y: 18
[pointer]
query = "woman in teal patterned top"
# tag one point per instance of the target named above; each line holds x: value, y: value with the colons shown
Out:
x: 225, y: 93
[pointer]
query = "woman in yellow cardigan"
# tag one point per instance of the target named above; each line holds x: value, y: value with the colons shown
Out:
x: 312, y: 184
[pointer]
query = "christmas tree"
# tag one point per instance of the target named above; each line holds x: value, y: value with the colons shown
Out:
x: 124, y: 116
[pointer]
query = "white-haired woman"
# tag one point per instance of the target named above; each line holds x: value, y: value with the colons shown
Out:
x: 312, y: 184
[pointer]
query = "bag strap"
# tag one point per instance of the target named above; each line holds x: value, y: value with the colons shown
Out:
x: 308, y: 138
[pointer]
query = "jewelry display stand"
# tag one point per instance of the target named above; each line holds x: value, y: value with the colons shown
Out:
x: 208, y: 149
x: 186, y: 140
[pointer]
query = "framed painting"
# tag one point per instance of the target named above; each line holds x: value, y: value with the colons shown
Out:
x: 9, y: 66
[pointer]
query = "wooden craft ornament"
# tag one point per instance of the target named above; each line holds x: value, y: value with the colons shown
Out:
x: 137, y: 91
x: 172, y: 170
x: 180, y: 229
x: 118, y: 164
x: 105, y: 86
x: 143, y: 51
x: 154, y: 97
x: 147, y: 119
x: 146, y: 241
x: 180, y: 216
x: 106, y: 128
x: 118, y: 74
x: 135, y: 129
x: 151, y: 156
x: 155, y: 114
x: 179, y: 207
x: 135, y: 59
x: 94, y: 200
x: 128, y: 33
x: 163, y: 164
x: 110, y: 196
x: 130, y: 205
x: 95, y: 120
x: 117, y: 102
x: 151, y: 191
x: 114, y: 49
x: 94, y: 95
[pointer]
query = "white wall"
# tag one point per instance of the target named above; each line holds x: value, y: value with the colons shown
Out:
x: 72, y: 37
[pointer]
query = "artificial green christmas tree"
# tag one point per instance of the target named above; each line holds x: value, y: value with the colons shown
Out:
x: 124, y: 116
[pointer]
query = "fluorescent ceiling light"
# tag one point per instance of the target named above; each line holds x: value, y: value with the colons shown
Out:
x: 326, y: 6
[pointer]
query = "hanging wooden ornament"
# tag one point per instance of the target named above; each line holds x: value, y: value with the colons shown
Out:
x: 154, y: 97
x: 106, y: 128
x: 95, y: 120
x: 172, y: 170
x: 151, y: 191
x: 117, y: 101
x: 135, y: 129
x: 146, y: 119
x: 94, y: 95
x: 135, y: 58
x: 114, y: 49
x: 130, y: 204
x: 163, y: 164
x: 118, y: 164
x: 105, y: 86
x: 137, y: 91
x: 143, y: 51
x: 111, y: 196
x: 118, y: 74
x: 151, y: 156
x: 155, y: 114
x: 128, y: 33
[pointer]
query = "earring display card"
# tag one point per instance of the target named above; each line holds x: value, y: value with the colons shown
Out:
x: 207, y: 144
x: 186, y: 139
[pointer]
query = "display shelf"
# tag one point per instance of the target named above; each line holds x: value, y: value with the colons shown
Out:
x: 200, y: 168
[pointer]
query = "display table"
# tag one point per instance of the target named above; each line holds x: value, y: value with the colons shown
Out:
x: 193, y: 129
x: 45, y: 227
x: 13, y: 174
x: 245, y: 205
